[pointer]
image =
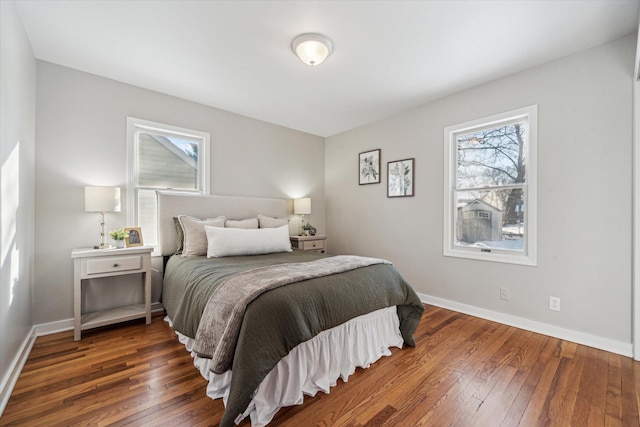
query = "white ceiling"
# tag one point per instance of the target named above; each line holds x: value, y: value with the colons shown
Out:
x: 388, y: 55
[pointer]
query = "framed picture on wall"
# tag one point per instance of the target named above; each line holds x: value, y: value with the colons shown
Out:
x: 369, y: 167
x: 400, y: 178
x: 135, y: 236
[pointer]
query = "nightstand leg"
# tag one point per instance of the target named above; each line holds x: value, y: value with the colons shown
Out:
x: 147, y: 295
x: 77, y: 302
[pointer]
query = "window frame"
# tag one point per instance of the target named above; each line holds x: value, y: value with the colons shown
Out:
x: 528, y: 256
x: 136, y: 126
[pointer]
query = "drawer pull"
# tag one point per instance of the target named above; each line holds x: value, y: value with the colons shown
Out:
x: 116, y: 265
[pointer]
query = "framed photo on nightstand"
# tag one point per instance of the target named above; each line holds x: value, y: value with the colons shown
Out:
x: 135, y: 236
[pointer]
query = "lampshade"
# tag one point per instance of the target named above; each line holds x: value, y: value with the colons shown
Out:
x: 102, y: 199
x: 302, y: 206
x: 312, y: 49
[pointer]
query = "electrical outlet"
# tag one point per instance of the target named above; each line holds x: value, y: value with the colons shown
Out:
x: 554, y: 303
x: 504, y: 294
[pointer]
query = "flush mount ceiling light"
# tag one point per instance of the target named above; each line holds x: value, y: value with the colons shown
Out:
x: 312, y: 49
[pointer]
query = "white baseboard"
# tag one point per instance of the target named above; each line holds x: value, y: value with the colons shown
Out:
x: 622, y: 348
x: 11, y: 377
x: 53, y: 327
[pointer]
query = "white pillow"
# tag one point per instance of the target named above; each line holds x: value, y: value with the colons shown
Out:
x: 195, y: 238
x: 272, y: 222
x: 242, y: 223
x: 237, y: 241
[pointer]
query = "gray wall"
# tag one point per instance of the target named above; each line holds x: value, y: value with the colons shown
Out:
x: 17, y: 144
x: 584, y: 195
x: 81, y: 133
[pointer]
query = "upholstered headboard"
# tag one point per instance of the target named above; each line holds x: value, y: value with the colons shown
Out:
x: 171, y: 205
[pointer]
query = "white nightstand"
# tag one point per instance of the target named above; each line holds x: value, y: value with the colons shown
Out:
x: 97, y: 263
x: 309, y: 243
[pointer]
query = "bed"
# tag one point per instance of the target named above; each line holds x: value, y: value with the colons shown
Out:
x: 266, y: 329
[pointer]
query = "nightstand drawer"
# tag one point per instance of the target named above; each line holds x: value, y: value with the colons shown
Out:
x: 311, y: 245
x: 112, y: 264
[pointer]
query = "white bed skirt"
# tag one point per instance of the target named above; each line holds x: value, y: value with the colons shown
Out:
x: 312, y: 366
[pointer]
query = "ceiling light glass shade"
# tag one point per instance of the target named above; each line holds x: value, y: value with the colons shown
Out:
x: 312, y: 49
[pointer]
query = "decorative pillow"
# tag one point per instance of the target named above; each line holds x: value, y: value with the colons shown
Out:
x: 236, y: 241
x: 242, y: 223
x: 179, y: 235
x: 272, y: 222
x: 195, y: 238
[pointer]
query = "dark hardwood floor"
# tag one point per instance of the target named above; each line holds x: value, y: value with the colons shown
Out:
x: 465, y: 371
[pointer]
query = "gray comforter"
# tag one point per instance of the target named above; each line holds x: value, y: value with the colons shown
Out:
x: 280, y: 319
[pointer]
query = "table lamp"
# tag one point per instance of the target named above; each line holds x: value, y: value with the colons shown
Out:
x: 301, y: 207
x: 103, y: 200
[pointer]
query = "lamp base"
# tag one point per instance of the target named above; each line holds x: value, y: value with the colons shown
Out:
x: 103, y: 236
x: 103, y: 246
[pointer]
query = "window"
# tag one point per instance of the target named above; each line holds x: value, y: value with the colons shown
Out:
x: 162, y: 157
x: 484, y: 214
x: 490, y: 188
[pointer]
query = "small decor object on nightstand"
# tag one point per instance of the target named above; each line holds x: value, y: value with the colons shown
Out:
x: 306, y: 230
x: 135, y: 236
x: 119, y: 237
